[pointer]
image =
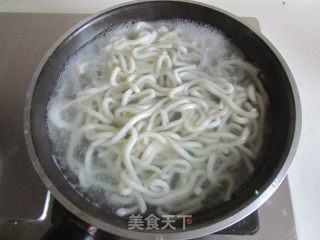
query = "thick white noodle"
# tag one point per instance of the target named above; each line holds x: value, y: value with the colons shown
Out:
x: 158, y: 128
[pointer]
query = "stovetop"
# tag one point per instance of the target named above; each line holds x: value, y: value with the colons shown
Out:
x: 25, y: 204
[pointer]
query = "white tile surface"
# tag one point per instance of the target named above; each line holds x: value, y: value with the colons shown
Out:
x: 293, y: 27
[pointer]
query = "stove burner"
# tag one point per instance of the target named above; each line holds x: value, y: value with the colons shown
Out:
x: 68, y: 226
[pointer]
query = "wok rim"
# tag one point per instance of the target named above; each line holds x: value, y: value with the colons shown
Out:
x: 187, y: 234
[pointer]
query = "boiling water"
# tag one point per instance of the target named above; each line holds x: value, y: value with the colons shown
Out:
x: 208, y: 54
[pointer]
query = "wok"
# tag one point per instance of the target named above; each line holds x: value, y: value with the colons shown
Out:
x: 277, y: 79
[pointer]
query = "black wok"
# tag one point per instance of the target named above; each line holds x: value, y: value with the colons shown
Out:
x: 278, y: 82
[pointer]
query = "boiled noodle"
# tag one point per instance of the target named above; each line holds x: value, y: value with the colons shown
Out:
x: 158, y: 115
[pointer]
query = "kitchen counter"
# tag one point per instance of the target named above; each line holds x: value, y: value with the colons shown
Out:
x: 292, y: 26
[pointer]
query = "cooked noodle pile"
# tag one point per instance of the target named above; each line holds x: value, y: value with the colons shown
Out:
x: 159, y: 120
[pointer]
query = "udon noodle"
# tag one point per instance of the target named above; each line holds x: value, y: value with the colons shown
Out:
x: 156, y: 115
